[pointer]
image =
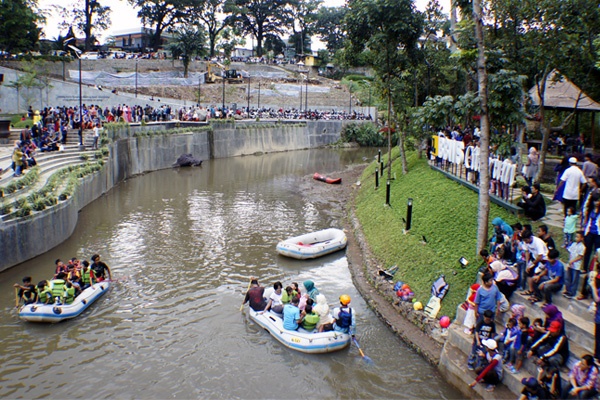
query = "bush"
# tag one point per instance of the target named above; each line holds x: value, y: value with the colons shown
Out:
x: 39, y: 204
x: 5, y: 208
x: 24, y: 210
x: 365, y: 134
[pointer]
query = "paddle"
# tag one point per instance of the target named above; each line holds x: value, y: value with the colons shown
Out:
x: 17, y: 297
x: 249, y: 284
x: 367, y: 359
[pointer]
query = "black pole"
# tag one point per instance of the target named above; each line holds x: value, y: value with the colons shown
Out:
x: 301, y: 98
x: 350, y: 104
x: 199, y: 91
x: 136, y: 78
x: 223, y: 107
x: 409, y: 214
x: 259, y: 95
x: 379, y: 155
x: 80, y: 107
x: 381, y: 169
x: 369, y: 100
x: 387, y: 193
x: 376, y: 178
x: 248, y: 110
x: 306, y: 92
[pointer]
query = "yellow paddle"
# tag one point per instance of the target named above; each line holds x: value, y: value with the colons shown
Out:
x: 17, y: 297
x: 249, y: 284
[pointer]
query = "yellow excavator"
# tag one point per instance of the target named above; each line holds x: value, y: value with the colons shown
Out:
x: 231, y: 75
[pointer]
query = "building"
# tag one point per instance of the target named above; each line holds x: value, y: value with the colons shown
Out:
x: 138, y: 40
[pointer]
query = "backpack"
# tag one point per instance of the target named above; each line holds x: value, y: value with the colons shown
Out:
x: 344, y: 319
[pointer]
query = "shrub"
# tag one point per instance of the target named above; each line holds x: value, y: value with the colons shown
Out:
x: 365, y: 134
x: 24, y: 210
x: 5, y: 208
x: 39, y: 204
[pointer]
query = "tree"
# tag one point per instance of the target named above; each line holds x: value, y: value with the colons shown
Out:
x: 160, y: 14
x: 259, y: 18
x: 305, y: 13
x: 330, y: 27
x: 484, y: 148
x: 228, y: 41
x: 211, y: 9
x: 188, y: 43
x: 25, y: 83
x: 18, y: 26
x: 92, y: 17
x: 390, y: 31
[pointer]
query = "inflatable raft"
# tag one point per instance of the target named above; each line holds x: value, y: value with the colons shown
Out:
x: 313, y: 245
x: 322, y: 178
x: 300, y: 340
x: 56, y: 313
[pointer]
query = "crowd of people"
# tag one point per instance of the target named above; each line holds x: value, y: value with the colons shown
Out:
x: 518, y: 259
x: 309, y: 311
x: 68, y: 282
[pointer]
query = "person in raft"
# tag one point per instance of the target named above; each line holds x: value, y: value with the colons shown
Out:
x: 100, y: 268
x: 344, y: 317
x: 292, y: 318
x: 492, y: 372
x: 255, y: 296
x: 275, y: 304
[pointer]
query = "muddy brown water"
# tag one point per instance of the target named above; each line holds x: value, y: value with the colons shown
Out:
x: 182, y: 244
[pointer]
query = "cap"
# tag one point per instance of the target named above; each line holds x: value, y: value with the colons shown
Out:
x: 530, y: 382
x: 490, y: 344
x: 555, y: 326
x: 573, y: 160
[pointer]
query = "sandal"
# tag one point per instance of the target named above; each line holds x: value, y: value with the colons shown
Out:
x: 534, y: 299
x: 527, y: 293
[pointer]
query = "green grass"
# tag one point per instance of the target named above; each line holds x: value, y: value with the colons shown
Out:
x: 444, y: 211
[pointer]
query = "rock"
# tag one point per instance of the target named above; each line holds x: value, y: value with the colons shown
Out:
x: 187, y: 160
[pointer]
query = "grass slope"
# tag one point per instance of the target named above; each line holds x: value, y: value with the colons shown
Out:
x: 444, y: 211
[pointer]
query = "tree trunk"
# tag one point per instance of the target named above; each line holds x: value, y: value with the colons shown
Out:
x: 545, y: 126
x: 88, y: 25
x: 484, y: 174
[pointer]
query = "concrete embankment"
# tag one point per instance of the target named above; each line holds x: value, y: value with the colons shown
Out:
x: 133, y: 153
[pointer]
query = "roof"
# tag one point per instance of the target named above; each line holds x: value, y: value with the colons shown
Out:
x: 563, y: 94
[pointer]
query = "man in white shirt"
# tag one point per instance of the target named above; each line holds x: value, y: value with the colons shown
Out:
x: 572, y: 179
x: 537, y: 252
x: 97, y: 130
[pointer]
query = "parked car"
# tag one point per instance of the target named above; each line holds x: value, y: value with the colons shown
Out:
x: 90, y: 55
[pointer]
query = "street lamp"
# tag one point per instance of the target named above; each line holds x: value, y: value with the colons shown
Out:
x: 248, y: 109
x: 300, y: 64
x: 136, y: 78
x: 258, y: 96
x: 306, y: 92
x: 223, y: 106
x: 78, y: 54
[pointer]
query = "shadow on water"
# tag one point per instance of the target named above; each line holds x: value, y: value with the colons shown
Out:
x: 183, y: 244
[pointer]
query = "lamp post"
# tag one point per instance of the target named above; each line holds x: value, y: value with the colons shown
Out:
x: 136, y: 78
x: 409, y: 213
x: 258, y: 95
x: 223, y: 106
x: 248, y: 109
x: 78, y: 53
x: 300, y: 65
x: 306, y: 92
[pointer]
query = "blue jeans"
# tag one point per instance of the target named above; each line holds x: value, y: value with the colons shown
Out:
x: 572, y: 281
x: 521, y: 266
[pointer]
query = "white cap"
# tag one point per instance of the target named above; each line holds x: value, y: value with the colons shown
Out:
x: 573, y: 160
x: 490, y: 344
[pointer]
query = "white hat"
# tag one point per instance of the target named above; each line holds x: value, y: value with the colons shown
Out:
x: 573, y: 160
x: 490, y: 344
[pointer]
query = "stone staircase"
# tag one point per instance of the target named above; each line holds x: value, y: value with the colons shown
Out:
x: 579, y: 327
x: 48, y: 163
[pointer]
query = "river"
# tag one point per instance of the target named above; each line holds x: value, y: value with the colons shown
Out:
x: 182, y: 245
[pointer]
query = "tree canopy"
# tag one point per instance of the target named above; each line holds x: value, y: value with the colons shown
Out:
x: 18, y: 26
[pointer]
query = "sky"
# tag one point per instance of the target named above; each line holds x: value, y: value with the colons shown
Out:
x: 124, y: 16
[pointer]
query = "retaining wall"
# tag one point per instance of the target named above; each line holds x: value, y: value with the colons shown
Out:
x: 28, y: 237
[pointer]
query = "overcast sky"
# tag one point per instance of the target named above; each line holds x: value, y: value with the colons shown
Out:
x: 124, y: 16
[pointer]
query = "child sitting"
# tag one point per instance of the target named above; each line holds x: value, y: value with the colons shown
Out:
x: 511, y: 337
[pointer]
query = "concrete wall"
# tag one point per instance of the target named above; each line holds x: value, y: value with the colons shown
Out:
x: 29, y: 237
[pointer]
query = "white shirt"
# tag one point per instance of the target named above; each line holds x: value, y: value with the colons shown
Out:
x: 573, y: 178
x: 537, y: 247
x: 96, y: 131
x: 275, y: 299
x: 576, y: 249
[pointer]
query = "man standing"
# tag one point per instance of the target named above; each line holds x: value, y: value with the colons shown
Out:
x: 572, y: 179
x: 97, y: 130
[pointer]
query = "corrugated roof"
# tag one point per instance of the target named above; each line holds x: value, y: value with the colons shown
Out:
x: 563, y: 94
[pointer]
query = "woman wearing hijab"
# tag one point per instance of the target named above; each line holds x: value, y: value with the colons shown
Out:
x: 531, y: 168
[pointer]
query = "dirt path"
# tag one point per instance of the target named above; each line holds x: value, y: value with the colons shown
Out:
x: 377, y: 292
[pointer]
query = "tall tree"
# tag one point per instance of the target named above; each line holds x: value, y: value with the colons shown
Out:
x: 389, y: 30
x: 209, y: 14
x: 484, y: 148
x: 330, y: 27
x: 259, y: 18
x: 305, y: 14
x: 161, y: 15
x: 18, y: 26
x: 188, y: 43
x: 89, y: 17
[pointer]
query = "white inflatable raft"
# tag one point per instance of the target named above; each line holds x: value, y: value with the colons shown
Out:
x: 313, y: 245
x: 56, y: 313
x: 300, y: 340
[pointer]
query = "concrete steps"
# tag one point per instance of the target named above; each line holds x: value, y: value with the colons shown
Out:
x: 578, y: 325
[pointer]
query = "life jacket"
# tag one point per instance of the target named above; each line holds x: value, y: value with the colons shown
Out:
x: 69, y: 294
x: 344, y: 319
x: 85, y: 277
x: 310, y: 321
x: 43, y: 294
x: 57, y: 287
